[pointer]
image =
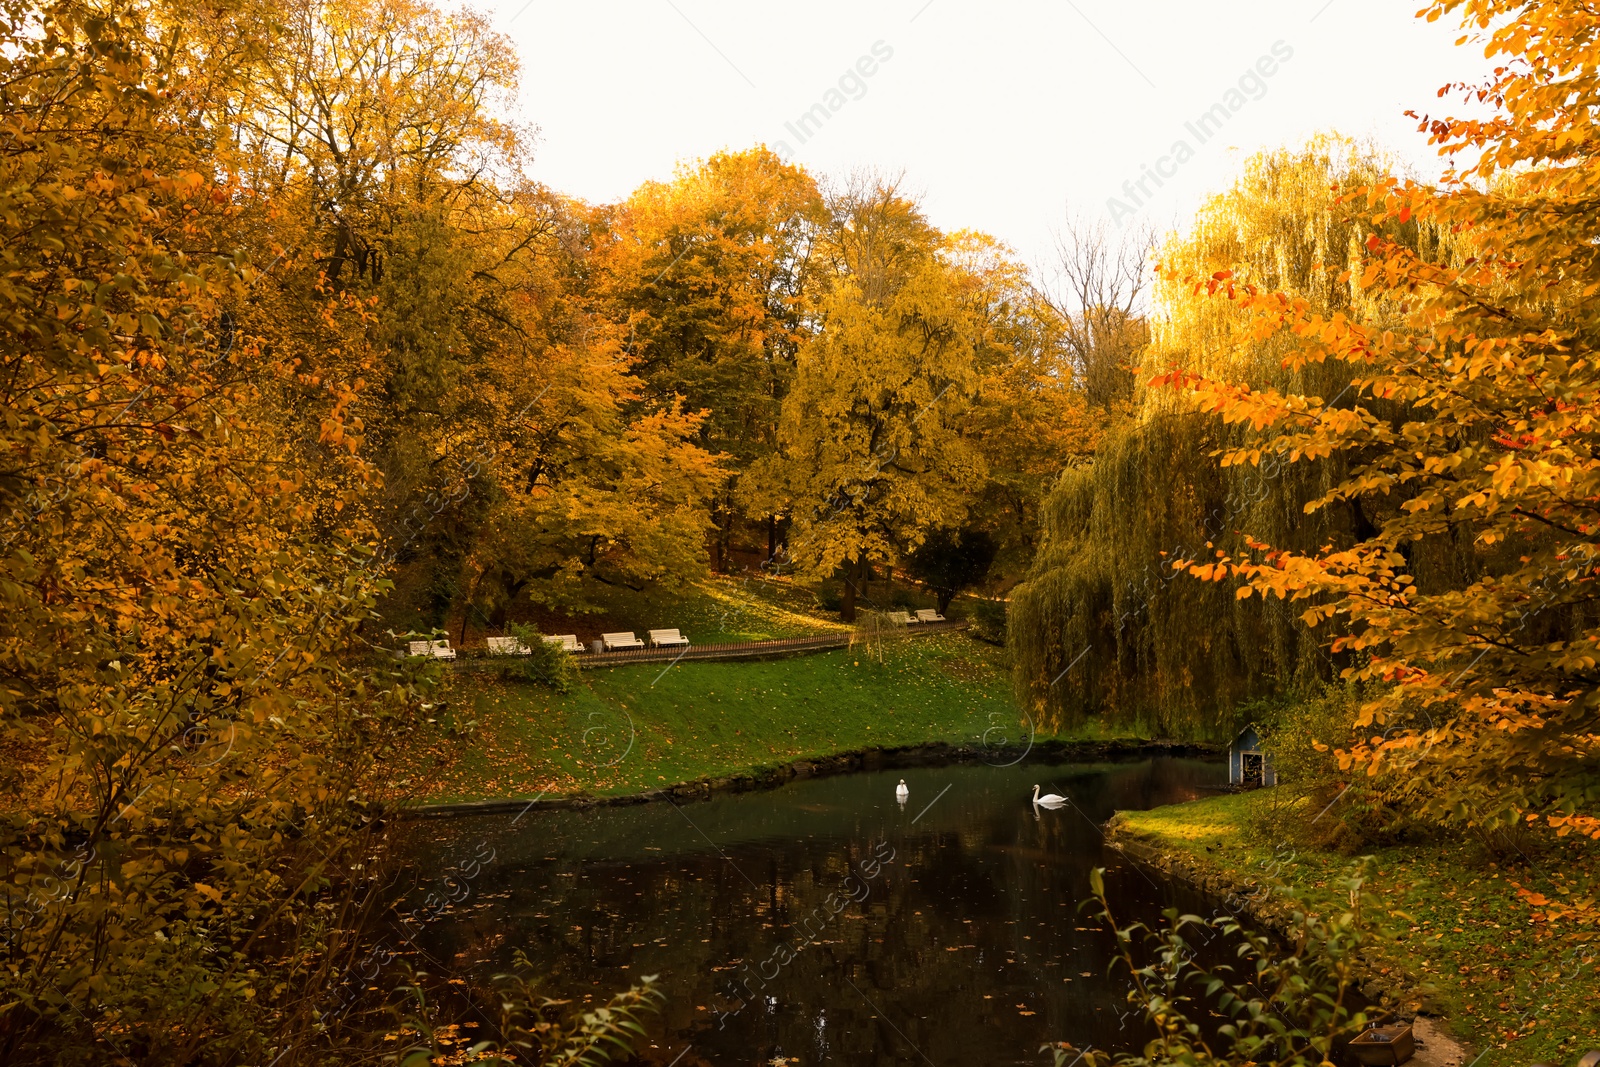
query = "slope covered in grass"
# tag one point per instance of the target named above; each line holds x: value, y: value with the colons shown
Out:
x: 629, y: 729
x: 1500, y: 945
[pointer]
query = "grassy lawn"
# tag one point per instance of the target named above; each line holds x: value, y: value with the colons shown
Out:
x: 628, y: 729
x: 1509, y: 971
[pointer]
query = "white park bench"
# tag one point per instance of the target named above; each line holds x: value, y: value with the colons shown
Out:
x: 568, y: 642
x: 612, y: 642
x: 667, y: 639
x: 436, y: 649
x: 929, y: 615
x: 901, y: 618
x: 507, y: 646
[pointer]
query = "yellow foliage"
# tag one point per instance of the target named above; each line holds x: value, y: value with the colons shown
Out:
x: 1469, y: 429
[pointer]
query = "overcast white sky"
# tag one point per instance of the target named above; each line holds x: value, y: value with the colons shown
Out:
x: 1001, y: 114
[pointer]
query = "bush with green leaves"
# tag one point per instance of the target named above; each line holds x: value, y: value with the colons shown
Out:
x: 1302, y: 736
x: 533, y: 1030
x: 988, y: 618
x: 545, y: 664
x: 1284, y: 1007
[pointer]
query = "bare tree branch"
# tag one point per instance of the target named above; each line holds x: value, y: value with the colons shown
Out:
x: 1099, y: 288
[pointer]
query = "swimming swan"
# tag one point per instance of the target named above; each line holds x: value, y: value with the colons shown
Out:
x: 900, y: 791
x: 1049, y: 800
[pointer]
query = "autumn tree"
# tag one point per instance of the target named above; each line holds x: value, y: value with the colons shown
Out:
x: 710, y: 276
x: 915, y: 332
x: 191, y: 544
x: 1467, y: 420
x: 408, y: 250
x: 587, y: 480
x: 866, y: 461
x: 181, y: 727
x: 1032, y: 415
x: 1101, y: 283
x: 1100, y: 628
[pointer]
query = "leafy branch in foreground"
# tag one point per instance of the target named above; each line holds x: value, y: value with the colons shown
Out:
x: 534, y: 1029
x: 1285, y: 1007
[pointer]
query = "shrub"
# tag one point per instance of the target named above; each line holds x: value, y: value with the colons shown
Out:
x: 829, y: 597
x: 533, y: 1028
x: 1287, y: 1008
x: 547, y: 664
x: 1302, y: 736
x: 1326, y: 806
x: 988, y: 618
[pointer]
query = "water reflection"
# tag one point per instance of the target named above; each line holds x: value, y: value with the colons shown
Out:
x: 827, y: 922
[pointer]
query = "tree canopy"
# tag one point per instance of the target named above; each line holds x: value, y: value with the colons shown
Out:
x: 1467, y: 433
x: 298, y: 361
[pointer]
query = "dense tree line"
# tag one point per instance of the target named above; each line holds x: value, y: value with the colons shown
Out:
x: 1102, y: 627
x: 290, y: 341
x: 1364, y: 452
x: 289, y: 337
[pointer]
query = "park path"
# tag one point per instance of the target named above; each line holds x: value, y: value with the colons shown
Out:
x: 735, y: 650
x: 782, y: 646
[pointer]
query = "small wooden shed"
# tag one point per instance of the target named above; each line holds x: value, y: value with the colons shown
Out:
x: 1248, y: 766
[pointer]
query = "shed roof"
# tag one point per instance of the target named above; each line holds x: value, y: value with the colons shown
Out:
x: 1249, y: 731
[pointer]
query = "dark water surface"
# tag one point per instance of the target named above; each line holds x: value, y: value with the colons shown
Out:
x: 821, y: 922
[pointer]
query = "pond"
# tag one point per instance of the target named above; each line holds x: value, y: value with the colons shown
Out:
x: 821, y: 922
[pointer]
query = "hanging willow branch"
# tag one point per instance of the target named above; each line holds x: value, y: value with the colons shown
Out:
x: 1106, y: 627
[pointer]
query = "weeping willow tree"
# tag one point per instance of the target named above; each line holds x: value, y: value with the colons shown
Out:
x: 1105, y: 626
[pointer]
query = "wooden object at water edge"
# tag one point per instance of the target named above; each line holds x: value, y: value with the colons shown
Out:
x: 1389, y: 1045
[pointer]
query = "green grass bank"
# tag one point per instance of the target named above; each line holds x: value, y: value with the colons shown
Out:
x: 630, y: 729
x: 1506, y: 949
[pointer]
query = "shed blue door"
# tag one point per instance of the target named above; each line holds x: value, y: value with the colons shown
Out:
x: 1248, y: 743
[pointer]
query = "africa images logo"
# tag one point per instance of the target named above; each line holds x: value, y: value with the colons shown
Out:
x: 852, y: 82
x: 1252, y: 85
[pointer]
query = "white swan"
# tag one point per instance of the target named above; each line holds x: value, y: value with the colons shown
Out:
x: 1049, y: 800
x: 901, y: 792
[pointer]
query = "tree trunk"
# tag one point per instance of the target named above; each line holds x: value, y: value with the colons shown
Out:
x: 945, y: 596
x: 725, y: 531
x: 772, y: 537
x: 510, y: 589
x: 466, y: 611
x: 847, y: 597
